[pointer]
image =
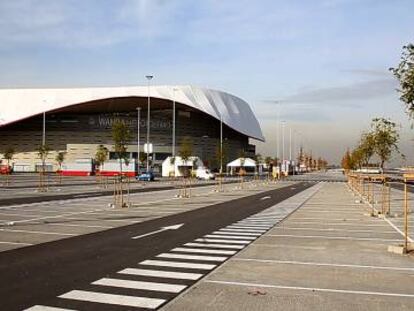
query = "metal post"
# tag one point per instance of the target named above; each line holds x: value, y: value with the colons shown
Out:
x: 283, y: 141
x: 173, y: 133
x: 221, y: 145
x: 405, y: 215
x: 148, y: 119
x: 290, y: 144
x: 44, y: 129
x: 138, y: 138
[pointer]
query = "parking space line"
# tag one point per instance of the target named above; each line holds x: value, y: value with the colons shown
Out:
x: 15, y: 243
x: 313, y: 289
x: 37, y: 232
x: 305, y: 263
x: 331, y: 237
x: 46, y: 308
x: 81, y: 226
x: 333, y: 229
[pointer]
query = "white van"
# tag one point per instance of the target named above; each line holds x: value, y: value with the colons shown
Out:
x: 205, y: 174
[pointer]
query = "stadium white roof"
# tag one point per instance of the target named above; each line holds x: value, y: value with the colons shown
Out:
x: 19, y: 104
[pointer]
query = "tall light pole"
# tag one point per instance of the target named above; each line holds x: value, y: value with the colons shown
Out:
x: 283, y: 141
x: 173, y: 131
x: 44, y: 130
x: 290, y: 144
x: 138, y: 134
x: 221, y: 144
x: 149, y: 78
x: 277, y: 132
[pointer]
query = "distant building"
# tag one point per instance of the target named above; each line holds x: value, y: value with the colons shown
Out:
x: 80, y: 119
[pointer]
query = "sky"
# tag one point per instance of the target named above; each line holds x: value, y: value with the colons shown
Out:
x: 321, y: 66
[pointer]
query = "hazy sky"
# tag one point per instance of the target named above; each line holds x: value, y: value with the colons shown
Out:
x: 326, y: 61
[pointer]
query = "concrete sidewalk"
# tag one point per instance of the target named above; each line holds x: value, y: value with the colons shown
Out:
x: 325, y: 256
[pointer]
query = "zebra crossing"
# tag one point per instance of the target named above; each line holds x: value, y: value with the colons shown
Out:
x: 155, y: 281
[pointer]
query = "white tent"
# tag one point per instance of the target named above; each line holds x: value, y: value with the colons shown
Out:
x: 175, y: 169
x: 238, y: 163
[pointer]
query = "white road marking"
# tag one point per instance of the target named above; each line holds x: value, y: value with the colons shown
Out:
x: 332, y: 237
x: 81, y: 226
x: 249, y: 226
x: 265, y: 198
x: 15, y: 243
x: 46, y: 308
x: 153, y: 286
x: 333, y: 229
x: 313, y: 289
x: 222, y: 241
x: 203, y: 251
x: 174, y: 227
x: 229, y: 236
x: 192, y: 257
x: 304, y: 263
x: 162, y: 274
x: 214, y: 245
x: 36, y: 232
x: 121, y: 300
x: 237, y: 233
x: 243, y: 229
x: 176, y: 264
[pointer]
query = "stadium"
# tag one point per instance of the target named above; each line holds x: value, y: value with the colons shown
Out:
x: 78, y: 120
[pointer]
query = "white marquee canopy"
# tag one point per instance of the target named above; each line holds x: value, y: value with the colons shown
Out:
x: 19, y: 104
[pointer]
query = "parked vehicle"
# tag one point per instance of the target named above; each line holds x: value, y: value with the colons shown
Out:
x: 146, y: 176
x: 204, y: 174
x: 5, y: 169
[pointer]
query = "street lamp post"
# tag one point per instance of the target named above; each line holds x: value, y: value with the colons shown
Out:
x: 138, y: 134
x: 44, y: 130
x: 173, y: 131
x: 149, y: 78
x: 283, y: 141
x: 221, y: 144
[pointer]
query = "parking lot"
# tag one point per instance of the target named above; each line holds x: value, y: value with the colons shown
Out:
x: 327, y: 255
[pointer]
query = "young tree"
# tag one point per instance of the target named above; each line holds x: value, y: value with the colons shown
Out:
x: 121, y: 136
x: 346, y: 161
x: 8, y: 155
x: 185, y: 152
x: 60, y: 158
x: 386, y: 139
x: 101, y: 156
x: 404, y: 72
x: 367, y: 147
x: 42, y: 151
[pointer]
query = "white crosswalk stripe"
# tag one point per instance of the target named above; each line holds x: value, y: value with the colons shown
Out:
x: 222, y: 241
x: 46, y: 308
x: 242, y: 229
x: 228, y: 236
x: 207, y: 245
x: 153, y: 286
x: 121, y: 300
x: 202, y: 251
x: 192, y: 257
x: 162, y: 274
x: 237, y: 233
x: 176, y: 264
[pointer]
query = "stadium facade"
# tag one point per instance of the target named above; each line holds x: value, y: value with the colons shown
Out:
x: 78, y: 120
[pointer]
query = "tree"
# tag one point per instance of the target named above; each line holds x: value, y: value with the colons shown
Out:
x: 8, y: 156
x: 42, y: 152
x: 386, y: 139
x: 121, y: 136
x: 367, y: 147
x: 346, y: 161
x: 185, y: 152
x: 60, y: 157
x: 404, y: 72
x: 101, y: 155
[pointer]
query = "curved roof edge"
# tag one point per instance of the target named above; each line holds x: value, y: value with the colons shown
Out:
x: 18, y: 104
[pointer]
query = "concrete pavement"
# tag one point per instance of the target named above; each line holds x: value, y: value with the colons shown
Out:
x: 327, y: 255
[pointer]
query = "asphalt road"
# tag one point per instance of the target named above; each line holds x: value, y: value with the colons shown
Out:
x: 37, y: 274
